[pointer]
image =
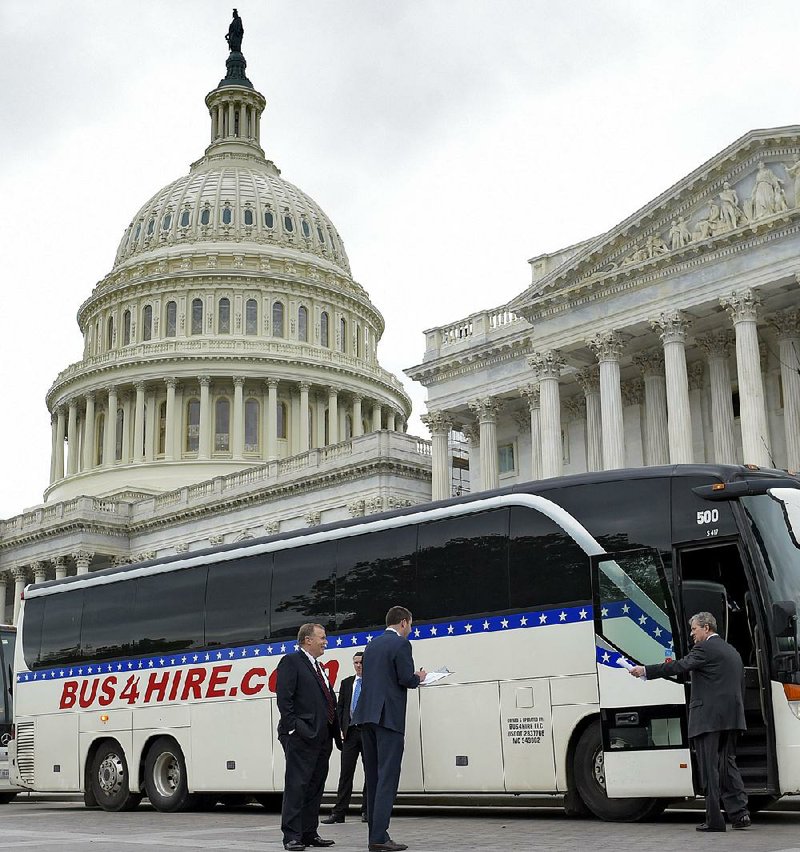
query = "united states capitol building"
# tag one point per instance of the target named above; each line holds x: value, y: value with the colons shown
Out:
x: 230, y: 388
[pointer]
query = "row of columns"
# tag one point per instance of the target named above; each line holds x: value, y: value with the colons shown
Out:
x: 223, y: 121
x: 14, y: 581
x: 66, y: 425
x: 668, y: 424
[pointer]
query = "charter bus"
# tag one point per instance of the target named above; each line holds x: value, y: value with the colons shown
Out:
x: 7, y: 637
x: 158, y: 678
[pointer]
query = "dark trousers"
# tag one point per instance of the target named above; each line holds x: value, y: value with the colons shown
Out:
x: 720, y: 777
x: 351, y: 749
x: 383, y: 756
x: 306, y: 771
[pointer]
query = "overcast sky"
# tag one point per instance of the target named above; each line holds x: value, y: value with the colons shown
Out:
x: 448, y: 140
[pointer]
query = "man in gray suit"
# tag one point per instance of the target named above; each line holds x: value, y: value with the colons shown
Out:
x: 716, y: 715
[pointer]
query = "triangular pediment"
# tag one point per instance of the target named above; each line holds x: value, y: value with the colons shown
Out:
x: 750, y: 187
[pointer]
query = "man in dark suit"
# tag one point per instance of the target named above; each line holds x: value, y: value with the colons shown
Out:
x: 716, y: 715
x: 381, y: 713
x: 306, y: 729
x: 349, y: 695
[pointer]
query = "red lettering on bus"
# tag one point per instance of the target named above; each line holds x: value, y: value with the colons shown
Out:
x: 69, y: 694
x: 107, y: 691
x: 87, y: 700
x: 194, y: 678
x: 176, y: 682
x: 157, y: 685
x: 272, y: 683
x: 218, y: 681
x: 130, y: 691
x: 248, y: 687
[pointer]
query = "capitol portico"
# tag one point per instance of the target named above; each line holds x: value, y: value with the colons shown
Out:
x: 672, y: 338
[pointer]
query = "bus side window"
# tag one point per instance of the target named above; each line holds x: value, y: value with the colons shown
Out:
x: 32, y: 634
x: 169, y: 611
x: 462, y: 566
x: 373, y: 572
x: 61, y: 633
x: 237, y: 601
x: 107, y: 627
x: 546, y: 567
x: 302, y: 590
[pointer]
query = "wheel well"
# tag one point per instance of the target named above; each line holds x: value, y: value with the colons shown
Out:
x: 91, y: 752
x: 582, y: 725
x: 147, y: 745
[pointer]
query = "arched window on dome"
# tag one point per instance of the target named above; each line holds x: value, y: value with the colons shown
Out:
x: 251, y: 317
x: 343, y: 334
x: 151, y: 225
x: 288, y: 222
x: 162, y: 429
x: 192, y: 425
x: 227, y: 215
x: 185, y: 218
x: 99, y: 438
x: 147, y: 322
x: 358, y: 340
x: 324, y: 329
x: 283, y: 425
x: 110, y: 333
x: 248, y: 216
x: 171, y: 324
x: 222, y: 430
x: 137, y: 232
x: 269, y: 219
x: 277, y: 319
x: 251, y: 425
x: 224, y: 316
x: 321, y: 234
x: 205, y: 215
x: 126, y: 328
x: 306, y: 227
x: 166, y: 221
x: 119, y: 432
x: 302, y: 324
x: 197, y: 316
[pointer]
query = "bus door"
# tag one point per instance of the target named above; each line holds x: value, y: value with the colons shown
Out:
x: 644, y: 732
x: 713, y: 579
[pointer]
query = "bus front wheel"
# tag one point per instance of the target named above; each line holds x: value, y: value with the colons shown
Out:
x: 165, y: 776
x: 109, y: 779
x: 590, y: 783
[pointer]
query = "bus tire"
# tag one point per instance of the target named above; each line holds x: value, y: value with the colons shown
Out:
x: 590, y: 783
x: 165, y: 776
x: 272, y: 802
x: 109, y: 779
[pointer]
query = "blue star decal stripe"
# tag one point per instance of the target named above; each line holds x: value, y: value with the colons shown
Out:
x: 645, y: 622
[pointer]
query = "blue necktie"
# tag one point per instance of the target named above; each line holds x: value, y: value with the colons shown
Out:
x: 356, y: 694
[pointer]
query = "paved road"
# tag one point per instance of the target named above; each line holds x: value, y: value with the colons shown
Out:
x: 46, y: 825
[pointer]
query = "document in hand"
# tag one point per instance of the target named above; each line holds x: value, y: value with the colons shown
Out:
x: 433, y: 677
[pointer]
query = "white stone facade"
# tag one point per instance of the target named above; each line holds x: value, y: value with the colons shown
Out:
x: 672, y: 338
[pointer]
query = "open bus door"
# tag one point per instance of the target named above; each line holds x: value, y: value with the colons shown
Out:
x: 645, y: 747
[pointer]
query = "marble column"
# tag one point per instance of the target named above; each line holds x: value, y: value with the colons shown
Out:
x: 333, y: 415
x: 486, y: 410
x: 138, y: 423
x: 88, y: 432
x: 439, y: 424
x: 169, y: 426
x: 72, y: 437
x: 717, y: 349
x: 787, y: 324
x: 589, y: 380
x: 60, y: 566
x: 548, y: 366
x: 53, y: 444
x: 656, y: 440
x: 272, y: 418
x: 110, y: 437
x: 305, y: 435
x: 150, y: 425
x: 607, y: 347
x: 376, y: 417
x: 82, y: 560
x: 4, y: 578
x: 39, y: 571
x: 20, y: 580
x: 237, y: 442
x: 127, y: 419
x: 60, y: 435
x: 204, y: 432
x: 390, y: 420
x: 742, y: 306
x: 696, y: 375
x: 358, y: 422
x: 531, y: 394
x: 671, y: 327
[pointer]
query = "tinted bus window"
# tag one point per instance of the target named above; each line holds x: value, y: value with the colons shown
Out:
x: 462, y: 565
x: 373, y: 573
x: 169, y: 611
x: 302, y: 589
x: 237, y: 601
x: 547, y: 568
x: 32, y: 632
x: 107, y: 629
x: 61, y: 629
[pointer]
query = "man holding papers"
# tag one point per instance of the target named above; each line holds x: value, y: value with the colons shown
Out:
x: 381, y: 712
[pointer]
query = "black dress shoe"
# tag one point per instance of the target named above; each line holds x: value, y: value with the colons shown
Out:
x: 742, y: 822
x: 706, y: 827
x: 316, y: 840
x: 389, y: 846
x: 331, y: 820
x: 294, y: 846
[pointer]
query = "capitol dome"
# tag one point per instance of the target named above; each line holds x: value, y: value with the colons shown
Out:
x: 228, y: 333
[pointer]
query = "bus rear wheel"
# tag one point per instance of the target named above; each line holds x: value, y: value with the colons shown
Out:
x: 109, y: 779
x: 590, y: 783
x: 165, y: 776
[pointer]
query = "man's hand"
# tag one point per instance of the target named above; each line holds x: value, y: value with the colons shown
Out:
x: 422, y: 674
x: 637, y: 671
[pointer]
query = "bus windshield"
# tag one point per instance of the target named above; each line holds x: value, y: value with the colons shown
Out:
x: 775, y: 522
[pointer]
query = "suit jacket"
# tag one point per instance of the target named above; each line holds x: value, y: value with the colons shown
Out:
x: 343, y: 704
x: 717, y: 677
x: 387, y: 676
x: 301, y: 701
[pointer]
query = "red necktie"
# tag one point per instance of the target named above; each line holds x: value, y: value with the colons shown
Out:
x: 327, y: 693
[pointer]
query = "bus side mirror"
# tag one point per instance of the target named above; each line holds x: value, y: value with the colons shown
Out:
x: 784, y: 619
